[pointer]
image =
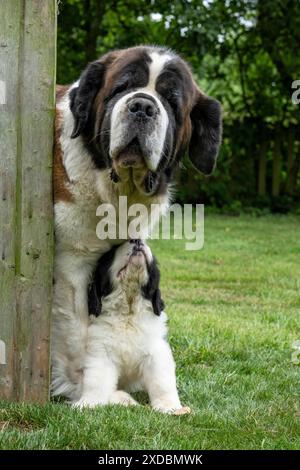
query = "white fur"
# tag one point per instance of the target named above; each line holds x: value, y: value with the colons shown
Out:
x: 77, y: 251
x: 127, y: 348
x: 156, y: 67
x: 155, y: 141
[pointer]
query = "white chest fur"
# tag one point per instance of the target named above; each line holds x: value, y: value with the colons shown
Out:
x: 128, y: 334
x: 127, y: 351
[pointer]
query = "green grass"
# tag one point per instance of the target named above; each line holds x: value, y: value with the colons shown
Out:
x: 234, y: 313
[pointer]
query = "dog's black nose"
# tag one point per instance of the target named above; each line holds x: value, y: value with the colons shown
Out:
x: 142, y: 108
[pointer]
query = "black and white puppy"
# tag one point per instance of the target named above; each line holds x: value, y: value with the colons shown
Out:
x: 127, y: 348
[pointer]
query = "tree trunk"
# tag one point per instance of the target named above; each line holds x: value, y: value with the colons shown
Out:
x: 290, y: 180
x: 276, y: 165
x: 262, y: 168
x: 93, y: 27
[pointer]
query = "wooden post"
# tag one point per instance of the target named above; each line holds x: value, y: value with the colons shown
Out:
x: 27, y: 83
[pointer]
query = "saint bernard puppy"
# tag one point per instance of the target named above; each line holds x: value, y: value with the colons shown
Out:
x: 127, y: 349
x: 121, y: 130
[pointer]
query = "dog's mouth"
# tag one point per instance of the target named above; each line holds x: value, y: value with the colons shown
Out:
x: 136, y: 260
x: 131, y: 164
x: 131, y: 156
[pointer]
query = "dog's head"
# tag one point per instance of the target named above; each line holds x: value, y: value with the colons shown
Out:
x: 139, y: 109
x: 129, y: 268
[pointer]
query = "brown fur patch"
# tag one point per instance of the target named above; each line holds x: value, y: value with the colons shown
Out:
x: 114, y: 62
x: 60, y: 177
x: 61, y: 90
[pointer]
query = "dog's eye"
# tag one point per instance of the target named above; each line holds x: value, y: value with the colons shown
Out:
x: 118, y: 89
x: 171, y: 95
x: 173, y: 98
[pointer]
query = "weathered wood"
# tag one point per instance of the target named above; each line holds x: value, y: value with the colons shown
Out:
x: 27, y: 72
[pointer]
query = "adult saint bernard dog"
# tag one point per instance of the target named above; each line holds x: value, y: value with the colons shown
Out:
x: 121, y: 130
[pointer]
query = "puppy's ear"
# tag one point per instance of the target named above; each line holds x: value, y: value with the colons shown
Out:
x: 151, y: 290
x: 157, y: 302
x: 101, y: 285
x: 94, y: 301
x: 82, y: 97
x: 206, y: 133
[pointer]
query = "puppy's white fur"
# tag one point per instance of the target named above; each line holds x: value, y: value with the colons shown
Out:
x: 127, y: 349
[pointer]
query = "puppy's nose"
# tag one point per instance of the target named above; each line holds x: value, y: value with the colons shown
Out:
x: 142, y: 108
x: 137, y: 242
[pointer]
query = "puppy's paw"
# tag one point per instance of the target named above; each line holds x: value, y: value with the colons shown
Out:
x: 170, y: 407
x: 184, y: 410
x: 85, y: 402
x: 122, y: 398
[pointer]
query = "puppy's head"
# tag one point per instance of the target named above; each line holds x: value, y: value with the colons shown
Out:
x: 139, y: 110
x: 131, y: 268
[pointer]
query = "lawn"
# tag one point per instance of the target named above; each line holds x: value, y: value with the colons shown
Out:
x: 234, y: 313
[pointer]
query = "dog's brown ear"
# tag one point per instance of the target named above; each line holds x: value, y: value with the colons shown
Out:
x: 206, y: 133
x: 82, y: 97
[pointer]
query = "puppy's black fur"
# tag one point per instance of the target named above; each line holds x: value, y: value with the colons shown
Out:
x: 101, y: 284
x: 151, y: 290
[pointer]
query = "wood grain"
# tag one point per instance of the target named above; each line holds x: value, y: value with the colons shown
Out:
x: 27, y: 67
